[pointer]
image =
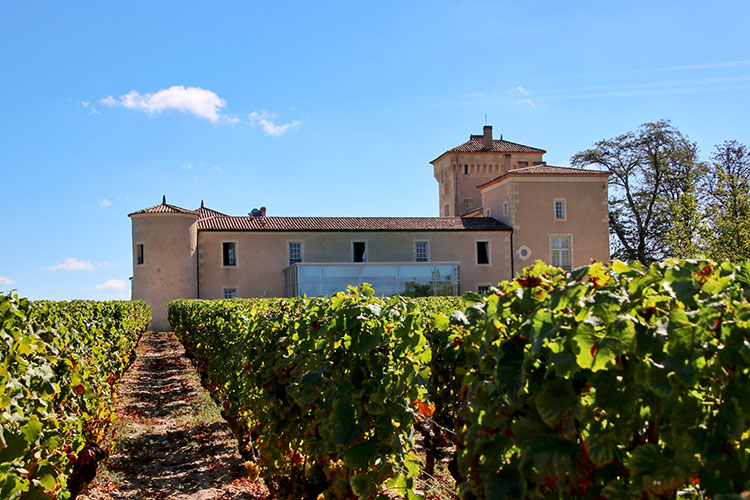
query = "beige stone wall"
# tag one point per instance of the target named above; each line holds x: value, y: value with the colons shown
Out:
x: 262, y: 256
x: 480, y: 168
x: 531, y: 205
x: 169, y: 266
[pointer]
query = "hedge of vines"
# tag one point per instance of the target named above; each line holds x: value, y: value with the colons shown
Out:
x: 613, y: 381
x: 59, y: 363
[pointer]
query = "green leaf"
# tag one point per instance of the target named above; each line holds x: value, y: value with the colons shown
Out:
x: 558, y: 405
x: 619, y: 267
x: 506, y: 485
x: 32, y: 430
x: 15, y: 446
x: 654, y: 471
x: 361, y: 484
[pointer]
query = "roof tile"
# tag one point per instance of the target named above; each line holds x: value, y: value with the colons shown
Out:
x: 165, y: 208
x: 229, y: 223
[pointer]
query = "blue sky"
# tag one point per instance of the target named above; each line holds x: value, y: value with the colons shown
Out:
x: 318, y: 108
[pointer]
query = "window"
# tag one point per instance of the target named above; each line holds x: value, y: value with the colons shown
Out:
x: 230, y: 293
x: 446, y: 210
x: 466, y: 170
x: 295, y: 252
x: 482, y: 289
x: 559, y: 209
x: 524, y: 252
x: 505, y: 208
x: 229, y: 250
x: 467, y: 203
x: 420, y: 251
x: 139, y: 254
x: 358, y: 248
x: 560, y: 251
x: 483, y: 252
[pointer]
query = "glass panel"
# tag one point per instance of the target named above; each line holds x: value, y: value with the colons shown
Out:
x: 341, y: 273
x: 446, y: 272
x: 310, y: 273
x: 378, y: 273
x: 413, y: 273
x: 331, y: 288
x: 385, y: 289
x: 418, y: 289
x: 310, y: 289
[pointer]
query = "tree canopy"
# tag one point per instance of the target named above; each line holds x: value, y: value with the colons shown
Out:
x: 663, y: 198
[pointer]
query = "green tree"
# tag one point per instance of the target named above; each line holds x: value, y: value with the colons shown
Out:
x: 654, y: 205
x: 729, y: 202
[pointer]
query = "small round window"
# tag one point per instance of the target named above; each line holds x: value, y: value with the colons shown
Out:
x: 524, y: 252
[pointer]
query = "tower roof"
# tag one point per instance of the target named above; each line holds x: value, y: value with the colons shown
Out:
x: 165, y: 208
x: 476, y: 144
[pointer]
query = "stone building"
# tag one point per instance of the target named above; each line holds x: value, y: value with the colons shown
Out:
x: 502, y: 207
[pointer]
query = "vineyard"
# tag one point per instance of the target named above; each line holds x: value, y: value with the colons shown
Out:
x: 608, y: 382
x: 59, y: 366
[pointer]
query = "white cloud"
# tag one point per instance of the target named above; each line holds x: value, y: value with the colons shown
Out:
x: 265, y: 120
x: 522, y: 90
x: 112, y: 284
x: 200, y: 166
x: 73, y: 264
x: 92, y: 109
x: 4, y: 280
x: 104, y: 202
x: 195, y: 100
x: 526, y: 101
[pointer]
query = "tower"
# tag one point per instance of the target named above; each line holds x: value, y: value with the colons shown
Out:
x: 461, y: 169
x: 165, y: 239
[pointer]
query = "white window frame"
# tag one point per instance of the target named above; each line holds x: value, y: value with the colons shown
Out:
x: 476, y: 253
x: 555, y: 201
x: 552, y: 237
x: 289, y: 251
x: 226, y: 289
x: 482, y: 285
x: 427, y: 250
x: 229, y: 266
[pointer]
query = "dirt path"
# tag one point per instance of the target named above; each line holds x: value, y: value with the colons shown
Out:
x: 173, y: 443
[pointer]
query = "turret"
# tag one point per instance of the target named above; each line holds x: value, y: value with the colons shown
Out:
x: 165, y: 239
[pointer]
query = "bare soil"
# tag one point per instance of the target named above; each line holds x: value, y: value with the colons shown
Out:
x: 171, y: 440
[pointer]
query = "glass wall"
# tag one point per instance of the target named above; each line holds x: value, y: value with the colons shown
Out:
x: 409, y: 279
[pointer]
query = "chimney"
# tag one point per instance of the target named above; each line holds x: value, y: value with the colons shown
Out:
x: 262, y: 211
x: 488, y: 137
x: 507, y: 159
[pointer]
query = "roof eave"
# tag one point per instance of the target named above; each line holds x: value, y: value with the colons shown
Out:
x: 589, y: 173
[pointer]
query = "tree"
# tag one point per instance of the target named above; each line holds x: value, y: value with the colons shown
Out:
x: 654, y: 205
x: 729, y: 202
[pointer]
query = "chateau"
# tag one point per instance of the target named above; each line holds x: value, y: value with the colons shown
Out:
x: 501, y: 208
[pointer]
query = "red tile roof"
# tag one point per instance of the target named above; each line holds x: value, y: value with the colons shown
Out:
x: 164, y: 208
x: 204, y: 213
x: 229, y: 223
x: 475, y: 144
x: 549, y: 169
x: 546, y: 170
